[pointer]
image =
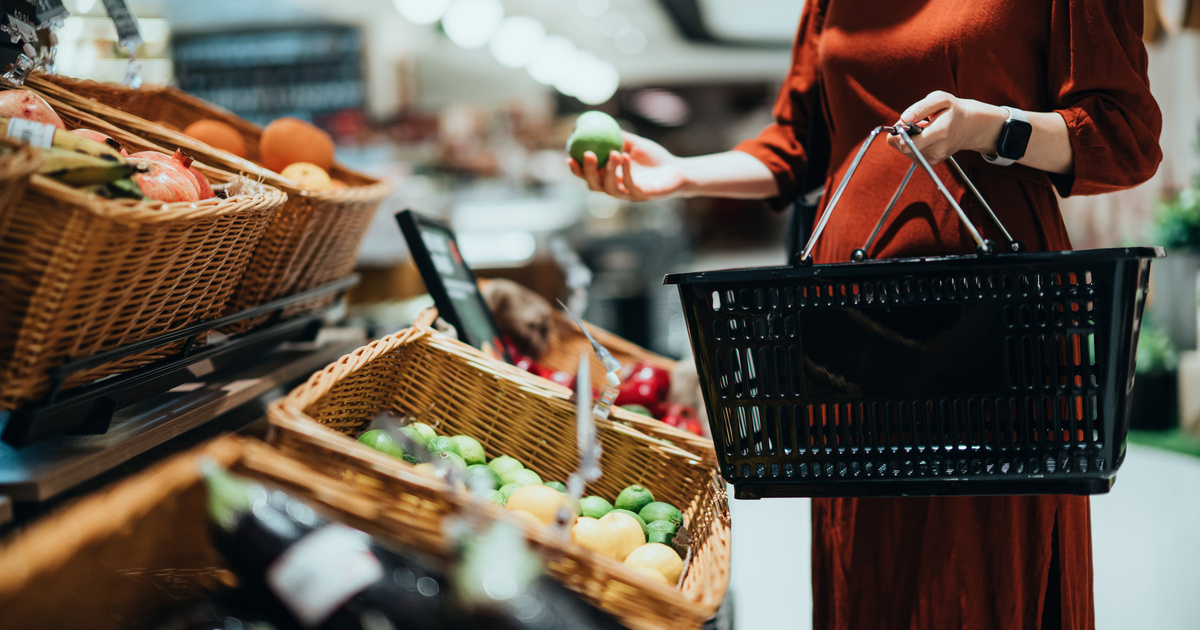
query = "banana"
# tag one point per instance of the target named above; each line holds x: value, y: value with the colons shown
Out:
x: 78, y: 169
x: 62, y: 139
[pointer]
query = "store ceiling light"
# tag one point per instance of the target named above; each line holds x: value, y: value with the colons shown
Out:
x: 602, y: 81
x: 517, y: 41
x: 555, y: 58
x: 593, y: 8
x: 471, y: 23
x: 661, y: 106
x: 631, y: 42
x: 421, y: 11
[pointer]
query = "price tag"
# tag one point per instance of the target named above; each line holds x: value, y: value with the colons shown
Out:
x: 32, y: 133
x: 51, y: 13
x: 126, y: 22
x: 19, y: 19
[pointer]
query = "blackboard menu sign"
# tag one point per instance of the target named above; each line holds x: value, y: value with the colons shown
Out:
x: 450, y: 282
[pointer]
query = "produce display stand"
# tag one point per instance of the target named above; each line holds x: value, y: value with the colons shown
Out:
x: 82, y: 275
x: 570, y: 341
x: 312, y: 240
x: 459, y: 390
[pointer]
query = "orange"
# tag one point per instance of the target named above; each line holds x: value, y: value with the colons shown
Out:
x: 289, y: 140
x: 218, y: 135
x: 307, y: 176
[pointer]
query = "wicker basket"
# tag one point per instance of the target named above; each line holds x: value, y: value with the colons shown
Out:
x: 15, y: 169
x: 563, y: 354
x: 313, y: 239
x: 415, y: 371
x: 80, y: 275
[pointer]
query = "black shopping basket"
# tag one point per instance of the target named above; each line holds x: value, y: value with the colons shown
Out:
x: 995, y: 373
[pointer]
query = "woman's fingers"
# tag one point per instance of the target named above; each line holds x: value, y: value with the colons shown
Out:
x: 576, y: 170
x: 611, y: 179
x: 635, y: 192
x: 591, y: 171
x: 927, y: 107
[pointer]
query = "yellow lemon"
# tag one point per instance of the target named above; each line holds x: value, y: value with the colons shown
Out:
x: 526, y: 517
x: 591, y: 533
x: 540, y: 501
x: 625, y: 531
x: 659, y: 557
x: 651, y: 573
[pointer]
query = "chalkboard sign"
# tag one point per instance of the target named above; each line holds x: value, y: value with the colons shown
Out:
x: 451, y: 283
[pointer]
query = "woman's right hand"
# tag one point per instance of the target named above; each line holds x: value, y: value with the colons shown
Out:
x: 644, y: 171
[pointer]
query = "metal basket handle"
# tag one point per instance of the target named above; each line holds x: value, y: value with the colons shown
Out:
x: 904, y: 131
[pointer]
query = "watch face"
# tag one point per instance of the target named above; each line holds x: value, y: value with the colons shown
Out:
x: 1014, y: 138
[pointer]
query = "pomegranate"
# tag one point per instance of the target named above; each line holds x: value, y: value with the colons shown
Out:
x: 179, y: 162
x: 28, y: 106
x: 202, y: 185
x: 101, y: 138
x: 162, y: 182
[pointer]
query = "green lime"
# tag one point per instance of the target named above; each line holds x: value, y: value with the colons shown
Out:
x: 509, y: 488
x: 664, y: 537
x: 662, y: 526
x: 383, y: 442
x: 495, y: 496
x: 558, y: 485
x: 659, y: 511
x: 425, y: 430
x: 638, y: 409
x: 504, y: 465
x: 635, y: 516
x: 454, y: 459
x: 472, y: 450
x: 594, y: 506
x: 596, y: 132
x: 480, y: 476
x: 524, y: 476
x: 634, y: 498
x: 443, y: 443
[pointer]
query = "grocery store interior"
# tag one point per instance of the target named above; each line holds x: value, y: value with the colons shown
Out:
x: 155, y: 338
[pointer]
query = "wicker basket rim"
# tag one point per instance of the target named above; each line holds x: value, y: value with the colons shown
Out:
x: 378, y: 189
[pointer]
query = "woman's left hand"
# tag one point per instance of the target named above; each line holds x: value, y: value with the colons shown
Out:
x: 954, y: 124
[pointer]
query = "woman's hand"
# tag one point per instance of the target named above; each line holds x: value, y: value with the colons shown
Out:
x: 955, y: 124
x: 644, y: 171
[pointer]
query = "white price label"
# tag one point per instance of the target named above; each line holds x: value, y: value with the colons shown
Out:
x: 323, y: 571
x: 31, y: 133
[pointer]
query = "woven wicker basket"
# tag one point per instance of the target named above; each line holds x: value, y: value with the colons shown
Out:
x: 313, y: 239
x: 80, y: 275
x: 15, y: 169
x: 417, y: 372
x: 563, y: 354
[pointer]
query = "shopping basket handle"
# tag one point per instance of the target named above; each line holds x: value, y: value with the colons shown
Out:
x: 905, y: 131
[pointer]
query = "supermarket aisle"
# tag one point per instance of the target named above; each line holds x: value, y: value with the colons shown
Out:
x: 1146, y: 549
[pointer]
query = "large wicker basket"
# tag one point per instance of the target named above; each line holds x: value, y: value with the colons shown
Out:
x: 563, y: 354
x: 456, y: 387
x: 313, y: 239
x: 80, y: 275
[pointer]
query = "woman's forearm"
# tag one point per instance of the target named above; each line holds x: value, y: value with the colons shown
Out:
x: 729, y: 174
x: 1049, y: 146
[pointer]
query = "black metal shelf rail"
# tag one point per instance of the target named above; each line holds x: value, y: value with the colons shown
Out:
x: 89, y: 409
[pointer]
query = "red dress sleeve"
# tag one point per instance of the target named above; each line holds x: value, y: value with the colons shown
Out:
x: 780, y: 146
x: 1102, y: 91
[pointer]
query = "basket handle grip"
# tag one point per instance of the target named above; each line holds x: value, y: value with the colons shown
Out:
x: 905, y: 131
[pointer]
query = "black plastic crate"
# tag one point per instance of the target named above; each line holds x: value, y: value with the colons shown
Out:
x: 1005, y: 373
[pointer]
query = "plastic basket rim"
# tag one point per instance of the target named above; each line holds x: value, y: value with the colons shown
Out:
x: 1108, y: 255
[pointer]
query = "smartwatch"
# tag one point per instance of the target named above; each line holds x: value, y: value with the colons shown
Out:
x: 1014, y: 138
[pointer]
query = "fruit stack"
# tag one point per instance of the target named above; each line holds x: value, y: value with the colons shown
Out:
x: 103, y: 249
x: 313, y: 239
x: 654, y: 506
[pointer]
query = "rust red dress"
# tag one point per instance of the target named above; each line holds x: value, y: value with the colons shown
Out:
x: 973, y: 562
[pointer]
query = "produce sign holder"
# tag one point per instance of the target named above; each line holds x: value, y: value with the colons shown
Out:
x: 568, y: 339
x: 82, y: 275
x: 451, y: 384
x: 314, y: 237
x: 994, y: 373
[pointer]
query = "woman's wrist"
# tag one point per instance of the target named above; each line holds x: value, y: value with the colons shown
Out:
x: 987, y: 123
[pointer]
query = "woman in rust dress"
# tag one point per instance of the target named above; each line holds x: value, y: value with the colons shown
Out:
x: 1076, y: 69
